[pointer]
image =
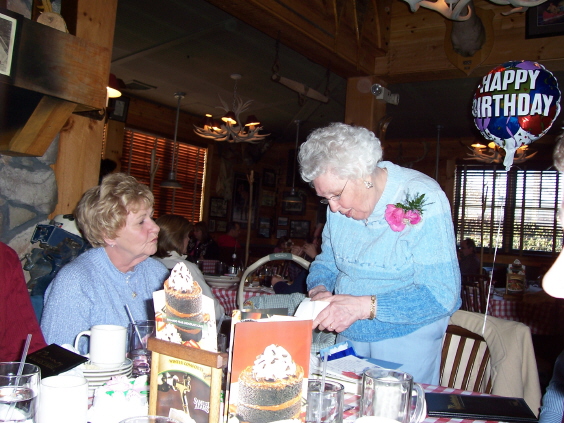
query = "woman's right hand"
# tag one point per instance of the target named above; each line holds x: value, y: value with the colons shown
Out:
x: 319, y: 293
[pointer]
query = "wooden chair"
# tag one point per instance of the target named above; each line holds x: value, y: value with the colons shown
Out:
x: 465, y: 361
x: 474, y: 291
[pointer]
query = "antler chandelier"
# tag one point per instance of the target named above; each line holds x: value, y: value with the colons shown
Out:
x: 492, y: 153
x: 230, y: 128
x: 453, y: 9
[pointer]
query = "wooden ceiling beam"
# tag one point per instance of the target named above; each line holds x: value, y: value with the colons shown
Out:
x: 344, y: 36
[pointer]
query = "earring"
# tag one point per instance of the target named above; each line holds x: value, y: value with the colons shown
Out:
x: 368, y: 184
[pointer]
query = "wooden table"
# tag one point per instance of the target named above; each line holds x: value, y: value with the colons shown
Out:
x: 351, y: 414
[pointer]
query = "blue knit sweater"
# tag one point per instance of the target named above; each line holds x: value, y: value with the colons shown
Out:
x: 90, y: 290
x: 414, y: 273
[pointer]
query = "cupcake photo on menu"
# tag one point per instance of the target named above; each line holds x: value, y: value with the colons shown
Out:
x: 269, y: 373
x: 183, y: 314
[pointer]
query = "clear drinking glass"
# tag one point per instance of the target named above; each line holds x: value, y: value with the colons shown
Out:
x: 324, y: 405
x: 18, y: 394
x: 137, y: 336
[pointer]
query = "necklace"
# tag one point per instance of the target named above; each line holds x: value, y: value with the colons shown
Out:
x: 133, y: 293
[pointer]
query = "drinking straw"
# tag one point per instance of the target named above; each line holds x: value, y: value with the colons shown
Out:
x: 20, y: 371
x: 132, y: 320
x: 322, y: 387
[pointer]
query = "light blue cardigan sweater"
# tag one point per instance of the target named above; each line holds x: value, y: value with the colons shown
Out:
x: 90, y: 290
x: 414, y: 273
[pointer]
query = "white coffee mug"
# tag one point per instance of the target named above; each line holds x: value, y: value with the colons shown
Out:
x: 63, y: 399
x: 107, y: 345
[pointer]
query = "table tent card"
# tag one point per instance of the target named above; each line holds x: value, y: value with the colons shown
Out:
x: 268, y: 368
x: 184, y: 316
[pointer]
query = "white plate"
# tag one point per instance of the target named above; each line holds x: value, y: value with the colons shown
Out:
x: 222, y: 279
x: 93, y: 370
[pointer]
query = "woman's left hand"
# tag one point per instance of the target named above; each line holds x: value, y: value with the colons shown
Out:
x: 342, y: 311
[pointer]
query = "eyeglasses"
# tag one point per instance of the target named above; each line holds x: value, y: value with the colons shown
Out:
x: 335, y: 197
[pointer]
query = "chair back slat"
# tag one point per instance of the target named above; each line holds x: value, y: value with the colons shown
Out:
x: 465, y: 361
x: 474, y: 293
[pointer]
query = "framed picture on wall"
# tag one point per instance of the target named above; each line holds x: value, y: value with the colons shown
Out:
x: 268, y: 198
x: 282, y: 221
x: 545, y: 20
x: 268, y: 178
x: 218, y: 207
x: 221, y: 226
x: 297, y: 209
x: 118, y: 108
x: 299, y: 228
x: 9, y: 23
x: 280, y: 233
x: 211, y: 225
x: 241, y: 195
x: 264, y: 227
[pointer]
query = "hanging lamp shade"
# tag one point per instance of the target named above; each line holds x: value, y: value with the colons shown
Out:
x: 230, y: 118
x: 293, y: 198
x: 252, y: 121
x: 207, y: 122
x: 171, y: 182
x: 113, y: 87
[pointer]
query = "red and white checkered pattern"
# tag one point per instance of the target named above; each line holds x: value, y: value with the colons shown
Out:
x: 227, y: 297
x: 208, y: 266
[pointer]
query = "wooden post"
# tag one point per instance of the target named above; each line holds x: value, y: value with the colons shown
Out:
x: 251, y: 179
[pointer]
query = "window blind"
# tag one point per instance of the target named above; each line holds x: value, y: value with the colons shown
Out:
x: 514, y: 210
x: 190, y: 173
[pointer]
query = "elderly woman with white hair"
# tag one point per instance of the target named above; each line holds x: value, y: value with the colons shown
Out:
x: 388, y: 265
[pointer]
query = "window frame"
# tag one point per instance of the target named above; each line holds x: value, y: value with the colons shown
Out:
x: 190, y: 173
x: 515, y: 220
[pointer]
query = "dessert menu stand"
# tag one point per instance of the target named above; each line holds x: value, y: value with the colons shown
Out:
x: 213, y: 360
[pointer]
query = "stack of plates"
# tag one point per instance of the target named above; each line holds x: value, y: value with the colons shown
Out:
x: 97, y: 376
x: 221, y: 281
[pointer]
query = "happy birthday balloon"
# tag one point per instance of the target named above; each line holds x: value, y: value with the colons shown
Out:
x: 515, y: 104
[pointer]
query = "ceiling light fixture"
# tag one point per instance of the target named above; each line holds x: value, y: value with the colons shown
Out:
x: 493, y: 153
x: 294, y: 198
x: 230, y: 128
x: 171, y: 182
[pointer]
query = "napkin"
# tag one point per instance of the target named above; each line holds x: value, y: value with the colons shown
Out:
x: 309, y: 309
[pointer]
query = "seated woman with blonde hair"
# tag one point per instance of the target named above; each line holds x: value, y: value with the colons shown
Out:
x: 93, y: 289
x: 173, y: 242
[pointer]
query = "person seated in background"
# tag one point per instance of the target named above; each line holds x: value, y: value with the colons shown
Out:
x: 296, y: 273
x: 201, y: 246
x: 284, y: 245
x: 17, y: 317
x: 93, y: 289
x: 229, y: 239
x: 469, y: 261
x: 552, y: 408
x: 173, y: 242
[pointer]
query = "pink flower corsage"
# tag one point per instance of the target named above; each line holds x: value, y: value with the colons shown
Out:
x: 400, y: 214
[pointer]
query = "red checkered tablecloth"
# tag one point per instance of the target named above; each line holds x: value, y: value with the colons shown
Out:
x: 228, y: 297
x: 535, y: 310
x: 351, y: 414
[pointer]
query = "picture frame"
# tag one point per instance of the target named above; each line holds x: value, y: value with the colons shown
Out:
x: 221, y: 226
x: 218, y: 207
x: 187, y: 359
x: 281, y: 232
x: 211, y: 225
x: 118, y: 108
x: 10, y: 23
x: 282, y: 221
x: 296, y: 209
x: 544, y: 20
x: 268, y: 198
x: 240, y: 206
x: 268, y: 178
x: 299, y: 228
x: 265, y: 224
